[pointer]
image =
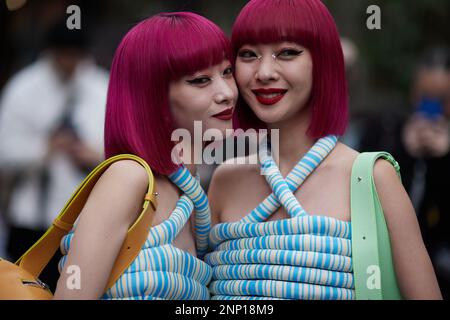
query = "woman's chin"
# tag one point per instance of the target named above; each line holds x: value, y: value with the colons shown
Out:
x: 270, y: 117
x: 223, y: 130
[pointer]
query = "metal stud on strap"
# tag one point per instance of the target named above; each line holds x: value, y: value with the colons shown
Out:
x: 152, y: 198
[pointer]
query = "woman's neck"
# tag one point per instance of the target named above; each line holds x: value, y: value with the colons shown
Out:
x: 187, y: 157
x: 293, y: 144
x: 192, y: 168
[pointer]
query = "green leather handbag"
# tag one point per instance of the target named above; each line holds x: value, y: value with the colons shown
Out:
x: 373, y: 267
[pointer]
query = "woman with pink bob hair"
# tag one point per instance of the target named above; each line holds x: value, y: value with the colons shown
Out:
x: 294, y: 235
x: 169, y: 70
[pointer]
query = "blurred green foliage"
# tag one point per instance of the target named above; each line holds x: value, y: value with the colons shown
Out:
x: 409, y: 27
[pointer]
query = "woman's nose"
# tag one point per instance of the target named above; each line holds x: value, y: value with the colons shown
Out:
x: 225, y: 93
x: 267, y: 69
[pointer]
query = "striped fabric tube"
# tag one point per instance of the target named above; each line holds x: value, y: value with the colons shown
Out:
x: 281, y: 189
x: 191, y: 187
x: 161, y: 271
x: 274, y: 178
x: 303, y: 242
x: 294, y: 179
x: 281, y: 257
x: 280, y: 289
x: 221, y: 297
x: 316, y: 225
x: 303, y: 257
x: 284, y: 273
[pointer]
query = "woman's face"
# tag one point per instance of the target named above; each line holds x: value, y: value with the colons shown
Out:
x: 208, y: 96
x: 275, y: 79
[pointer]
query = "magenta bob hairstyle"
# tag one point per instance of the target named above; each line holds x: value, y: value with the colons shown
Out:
x: 308, y: 23
x: 155, y: 52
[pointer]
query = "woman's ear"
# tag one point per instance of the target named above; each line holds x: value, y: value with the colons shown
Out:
x: 177, y: 153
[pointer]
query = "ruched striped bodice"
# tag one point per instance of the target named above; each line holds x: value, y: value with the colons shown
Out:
x: 303, y: 257
x: 162, y: 271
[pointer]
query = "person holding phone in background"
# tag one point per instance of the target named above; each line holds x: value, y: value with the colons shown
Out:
x: 426, y: 138
x: 426, y: 133
x: 421, y: 144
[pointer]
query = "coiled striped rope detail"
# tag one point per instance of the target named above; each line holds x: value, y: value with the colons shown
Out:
x: 304, y: 257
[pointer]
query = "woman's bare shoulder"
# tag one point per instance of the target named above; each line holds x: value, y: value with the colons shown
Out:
x: 134, y: 171
x: 346, y: 152
x: 341, y: 158
x: 230, y: 178
x: 233, y: 170
x: 113, y: 205
x: 122, y: 185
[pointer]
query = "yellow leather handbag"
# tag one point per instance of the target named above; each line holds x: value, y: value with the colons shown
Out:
x: 19, y: 281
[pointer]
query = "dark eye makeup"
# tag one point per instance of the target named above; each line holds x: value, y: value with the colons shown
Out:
x: 199, y: 80
x: 285, y: 53
x: 246, y: 54
x: 289, y: 53
x: 203, y: 80
x: 228, y: 71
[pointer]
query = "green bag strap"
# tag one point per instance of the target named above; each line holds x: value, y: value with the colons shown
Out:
x: 39, y: 255
x: 373, y: 267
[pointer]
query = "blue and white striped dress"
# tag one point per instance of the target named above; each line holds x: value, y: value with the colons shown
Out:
x: 162, y: 271
x: 304, y: 257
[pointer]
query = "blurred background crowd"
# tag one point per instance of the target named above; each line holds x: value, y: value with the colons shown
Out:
x: 53, y: 84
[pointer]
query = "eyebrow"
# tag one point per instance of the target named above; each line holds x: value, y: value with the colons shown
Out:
x: 284, y: 43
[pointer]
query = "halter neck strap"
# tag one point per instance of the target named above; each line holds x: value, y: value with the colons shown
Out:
x: 191, y: 187
x: 283, y: 188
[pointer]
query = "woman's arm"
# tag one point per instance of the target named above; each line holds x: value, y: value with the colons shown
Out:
x: 414, y: 270
x: 113, y: 205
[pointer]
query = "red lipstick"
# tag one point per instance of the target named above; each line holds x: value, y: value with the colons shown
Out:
x: 269, y: 96
x: 225, y: 115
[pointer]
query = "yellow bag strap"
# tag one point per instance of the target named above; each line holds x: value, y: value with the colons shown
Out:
x: 39, y: 255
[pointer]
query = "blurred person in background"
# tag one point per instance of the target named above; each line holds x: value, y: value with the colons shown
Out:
x: 351, y: 56
x: 51, y: 133
x: 426, y: 138
x: 2, y: 235
x: 421, y: 145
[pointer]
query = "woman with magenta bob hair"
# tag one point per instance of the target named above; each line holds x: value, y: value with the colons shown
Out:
x: 295, y: 235
x: 169, y: 70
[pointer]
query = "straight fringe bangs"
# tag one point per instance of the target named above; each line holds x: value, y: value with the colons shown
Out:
x: 155, y: 52
x: 308, y: 23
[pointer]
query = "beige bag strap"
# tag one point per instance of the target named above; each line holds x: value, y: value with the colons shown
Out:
x: 39, y: 255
